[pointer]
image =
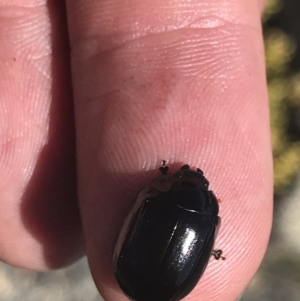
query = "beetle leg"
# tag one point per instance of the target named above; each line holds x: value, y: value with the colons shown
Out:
x: 200, y: 171
x: 217, y: 254
x: 205, y: 181
x: 185, y: 166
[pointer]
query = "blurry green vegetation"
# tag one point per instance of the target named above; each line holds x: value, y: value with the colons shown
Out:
x: 284, y: 94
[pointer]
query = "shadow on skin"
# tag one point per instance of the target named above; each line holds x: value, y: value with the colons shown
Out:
x: 49, y: 207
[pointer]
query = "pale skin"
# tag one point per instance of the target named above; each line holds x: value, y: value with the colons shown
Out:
x: 148, y: 80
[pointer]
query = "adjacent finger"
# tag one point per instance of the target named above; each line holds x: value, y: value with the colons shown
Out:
x: 39, y: 220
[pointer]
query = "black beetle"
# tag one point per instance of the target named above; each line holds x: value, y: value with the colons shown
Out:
x: 168, y: 237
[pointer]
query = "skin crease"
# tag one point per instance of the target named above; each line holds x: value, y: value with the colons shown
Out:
x: 177, y: 80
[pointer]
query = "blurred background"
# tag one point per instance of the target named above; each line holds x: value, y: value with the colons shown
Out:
x: 278, y: 278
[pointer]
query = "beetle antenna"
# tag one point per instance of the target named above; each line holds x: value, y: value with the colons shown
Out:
x: 164, y: 168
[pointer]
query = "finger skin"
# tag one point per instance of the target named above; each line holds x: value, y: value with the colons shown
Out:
x: 39, y: 217
x: 180, y: 81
